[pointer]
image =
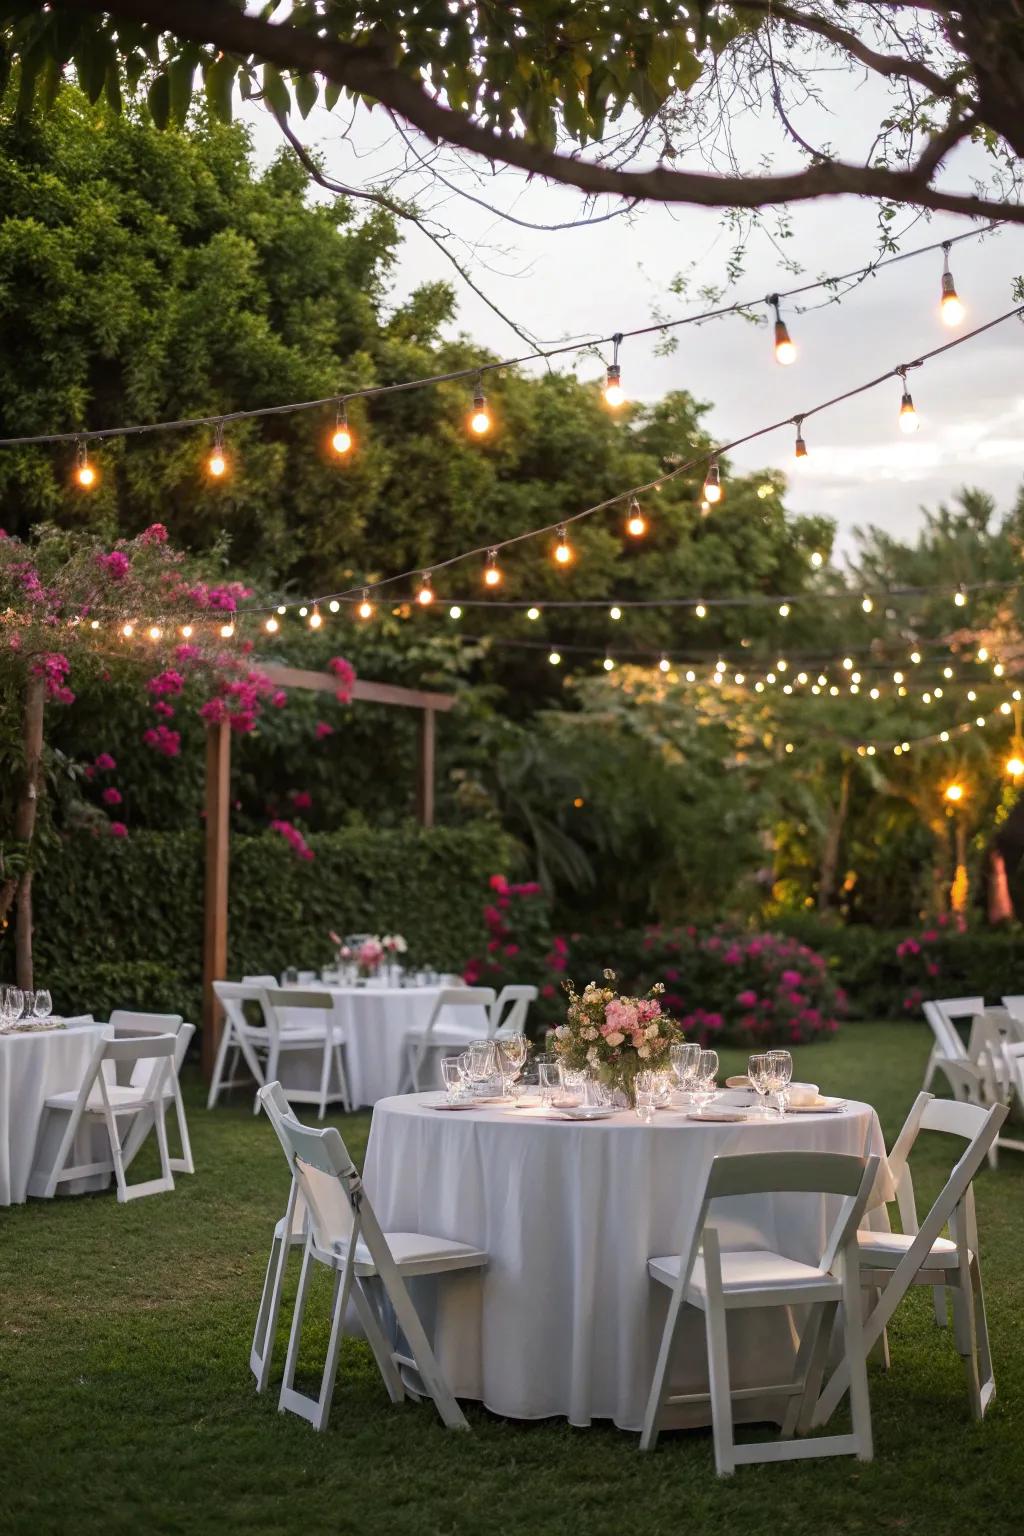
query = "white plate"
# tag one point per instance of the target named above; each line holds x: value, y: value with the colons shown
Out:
x: 445, y: 1105
x: 739, y: 1082
x: 720, y: 1116
x: 582, y: 1112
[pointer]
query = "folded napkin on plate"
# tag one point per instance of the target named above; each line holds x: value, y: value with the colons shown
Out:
x: 803, y: 1094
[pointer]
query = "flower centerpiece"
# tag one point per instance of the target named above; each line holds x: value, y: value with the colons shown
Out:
x: 615, y: 1037
x: 393, y: 944
x: 366, y: 951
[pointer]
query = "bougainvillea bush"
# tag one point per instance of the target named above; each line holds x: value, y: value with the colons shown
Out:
x: 520, y: 947
x: 743, y: 988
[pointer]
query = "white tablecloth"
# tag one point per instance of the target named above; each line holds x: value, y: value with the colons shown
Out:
x: 32, y: 1066
x: 565, y: 1320
x: 376, y: 1021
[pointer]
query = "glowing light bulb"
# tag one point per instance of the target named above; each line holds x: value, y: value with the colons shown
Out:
x: 563, y: 549
x: 897, y: 677
x: 334, y: 606
x: 1015, y: 767
x: 554, y: 658
x: 982, y: 653
x: 909, y: 421
x: 954, y: 792
x: 226, y: 631
x: 315, y: 619
x: 217, y: 464
x: 764, y: 490
x: 154, y: 632
x: 785, y: 350
x: 480, y: 420
x: 95, y: 624
x: 533, y: 614
x: 186, y: 631
x: 960, y: 596
x: 341, y: 437
x: 943, y: 735
x: 636, y: 523
x: 784, y: 610
x: 867, y: 604
x: 608, y: 664
x: 817, y: 559
x: 998, y: 669
x: 425, y: 594
x: 86, y: 474
x: 271, y: 626
x: 713, y: 484
x: 1005, y: 708
x: 615, y: 613
x: 455, y: 612
x: 664, y: 664
x: 614, y: 394
x: 492, y: 571
x: 691, y: 677
x: 800, y: 447
x: 915, y: 657
x: 701, y: 611
x: 947, y: 672
x: 282, y: 610
x: 128, y: 630
x: 848, y: 663
x: 365, y: 609
x: 950, y: 307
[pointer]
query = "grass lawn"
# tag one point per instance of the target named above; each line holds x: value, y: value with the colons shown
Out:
x: 126, y: 1403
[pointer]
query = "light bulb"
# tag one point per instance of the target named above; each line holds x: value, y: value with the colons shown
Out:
x: 636, y: 523
x: 271, y: 626
x: 128, y: 630
x: 492, y: 571
x: 866, y: 604
x: 848, y: 663
x: 533, y: 613
x: 784, y: 610
x: 226, y: 631
x: 282, y: 610
x: 1015, y: 767
x: 800, y: 448
x: 915, y: 657
x: 614, y: 394
x: 217, y: 463
x: 982, y: 653
x: 455, y: 612
x: 897, y: 677
x: 94, y: 624
x: 86, y: 474
x: 563, y: 549
x: 315, y: 619
x: 480, y: 420
x: 664, y: 664
x: 700, y: 611
x: 960, y: 596
x: 954, y: 792
x: 785, y: 351
x: 817, y: 559
x: 554, y: 658
x: 950, y: 307
x: 713, y: 484
x: 186, y: 631
x: 365, y: 609
x: 341, y: 437
x: 609, y: 665
x: 909, y: 421
x: 615, y: 613
x: 334, y: 605
x: 425, y: 595
x: 154, y: 632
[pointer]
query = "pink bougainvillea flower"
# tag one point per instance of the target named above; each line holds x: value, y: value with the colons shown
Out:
x: 116, y: 565
x: 279, y: 699
x: 111, y: 796
x: 747, y: 999
x: 104, y: 762
x: 345, y: 672
x: 301, y: 799
x: 183, y: 654
x: 156, y: 533
x: 165, y: 711
x: 294, y: 838
x: 499, y: 883
x: 323, y: 730
x: 162, y: 740
x: 791, y: 978
x: 118, y: 829
x: 165, y: 682
x: 214, y: 711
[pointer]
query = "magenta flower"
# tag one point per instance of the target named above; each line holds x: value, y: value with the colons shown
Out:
x: 162, y: 740
x: 105, y: 763
x: 279, y: 699
x: 301, y: 799
x: 118, y: 829
x: 156, y: 533
x: 791, y: 978
x: 323, y: 730
x: 165, y: 711
x: 116, y: 565
x: 747, y: 999
x: 165, y: 682
x: 111, y: 796
x: 345, y: 672
x: 214, y: 711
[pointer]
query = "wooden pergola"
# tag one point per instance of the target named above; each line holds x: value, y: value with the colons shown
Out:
x: 218, y: 805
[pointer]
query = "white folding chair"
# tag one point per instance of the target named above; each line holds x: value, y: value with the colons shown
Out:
x: 510, y: 1009
x: 948, y: 1046
x: 443, y: 1031
x: 286, y: 1035
x: 344, y: 1235
x: 891, y: 1262
x: 238, y: 1037
x: 1014, y: 1005
x: 124, y: 1021
x: 100, y: 1097
x: 1012, y: 1056
x: 289, y: 1233
x: 721, y: 1282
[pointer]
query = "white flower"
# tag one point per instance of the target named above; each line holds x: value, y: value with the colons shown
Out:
x: 592, y: 1054
x: 591, y: 1033
x: 643, y: 1050
x: 652, y: 1031
x: 562, y: 1031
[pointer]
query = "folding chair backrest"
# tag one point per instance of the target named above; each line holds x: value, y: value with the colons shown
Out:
x: 976, y: 1124
x: 511, y: 1006
x: 151, y: 1058
x: 480, y: 999
x: 278, y: 1110
x: 260, y: 981
x: 327, y: 1178
x: 298, y: 997
x: 947, y: 1038
x: 182, y: 1039
x: 233, y: 996
x: 126, y: 1021
x: 1014, y: 1005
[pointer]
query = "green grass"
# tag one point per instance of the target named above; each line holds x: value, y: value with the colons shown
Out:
x: 126, y: 1403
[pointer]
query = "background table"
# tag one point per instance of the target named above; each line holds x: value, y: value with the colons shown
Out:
x: 32, y: 1066
x: 565, y: 1319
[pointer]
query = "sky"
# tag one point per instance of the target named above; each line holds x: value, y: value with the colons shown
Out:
x: 614, y: 276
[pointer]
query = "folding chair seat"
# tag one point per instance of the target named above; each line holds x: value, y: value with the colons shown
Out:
x: 720, y: 1282
x: 101, y: 1097
x: 369, y: 1266
x: 459, y: 1016
x: 890, y: 1263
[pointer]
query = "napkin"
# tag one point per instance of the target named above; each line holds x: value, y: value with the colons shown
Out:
x: 801, y: 1095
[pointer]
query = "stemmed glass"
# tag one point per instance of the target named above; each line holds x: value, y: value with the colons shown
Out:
x: 779, y: 1075
x: 30, y: 1006
x: 44, y: 1004
x: 704, y: 1089
x: 684, y: 1059
x: 14, y: 1002
x: 757, y: 1071
x: 511, y: 1051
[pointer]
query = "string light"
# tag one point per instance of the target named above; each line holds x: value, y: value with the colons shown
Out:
x: 95, y: 624
x: 713, y: 492
x: 563, y: 549
x: 800, y: 452
x: 226, y: 631
x: 341, y: 437
x: 365, y: 609
x: 784, y: 610
x: 272, y: 626
x: 282, y: 610
x: 953, y: 792
x: 614, y: 395
x: 700, y: 611
x: 315, y: 620
x: 128, y: 630
x: 950, y: 307
x: 186, y: 631
x: 334, y: 606
x: 480, y: 420
x: 608, y: 664
x: 915, y: 657
x: 455, y: 612
x: 982, y: 653
x: 154, y: 632
x: 492, y: 570
x: 947, y: 672
x: 533, y: 614
x: 554, y: 658
x: 785, y: 351
x: 867, y: 604
x: 960, y: 596
x: 636, y: 523
x: 425, y: 594
x: 817, y: 559
x: 217, y: 463
x: 1015, y: 766
x: 909, y: 421
x: 615, y: 613
x: 664, y: 664
x: 86, y: 474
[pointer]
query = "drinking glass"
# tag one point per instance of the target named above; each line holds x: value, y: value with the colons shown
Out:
x: 704, y: 1080
x: 511, y: 1051
x: 757, y: 1071
x: 550, y: 1081
x: 30, y: 1005
x: 646, y: 1089
x: 684, y: 1059
x: 15, y: 1002
x: 780, y: 1073
x: 482, y: 1065
x: 44, y: 1004
x: 595, y: 1094
x: 451, y: 1072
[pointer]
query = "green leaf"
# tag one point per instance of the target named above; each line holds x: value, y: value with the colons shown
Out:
x: 181, y: 75
x: 332, y: 93
x: 276, y: 93
x: 113, y: 88
x: 5, y: 70
x: 220, y: 84
x: 306, y: 92
x: 159, y: 99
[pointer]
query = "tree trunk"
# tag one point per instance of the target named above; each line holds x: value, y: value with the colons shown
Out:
x: 830, y: 853
x: 25, y: 824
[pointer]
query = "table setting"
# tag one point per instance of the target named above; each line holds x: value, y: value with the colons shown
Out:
x: 40, y: 1055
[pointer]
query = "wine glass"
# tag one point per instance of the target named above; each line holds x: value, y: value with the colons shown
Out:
x: 780, y: 1073
x: 511, y: 1051
x: 757, y: 1071
x: 704, y: 1089
x: 684, y: 1058
x: 30, y: 1005
x: 15, y: 1002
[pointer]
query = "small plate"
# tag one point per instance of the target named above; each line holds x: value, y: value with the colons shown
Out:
x: 445, y: 1105
x: 824, y: 1106
x: 584, y: 1112
x: 739, y: 1082
x: 720, y: 1116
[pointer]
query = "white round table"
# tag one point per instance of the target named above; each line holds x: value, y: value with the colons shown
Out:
x: 32, y: 1066
x: 564, y: 1320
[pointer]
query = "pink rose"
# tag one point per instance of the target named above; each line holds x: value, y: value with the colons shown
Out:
x: 747, y: 999
x: 105, y: 763
x: 111, y: 796
x: 323, y: 730
x: 118, y: 829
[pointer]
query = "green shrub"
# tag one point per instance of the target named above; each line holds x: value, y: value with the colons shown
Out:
x: 120, y: 923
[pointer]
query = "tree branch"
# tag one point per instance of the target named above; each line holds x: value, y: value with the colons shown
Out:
x: 889, y: 65
x: 365, y: 71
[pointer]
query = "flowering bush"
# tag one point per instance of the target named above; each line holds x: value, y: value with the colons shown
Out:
x: 519, y: 946
x: 294, y: 838
x: 615, y: 1037
x: 920, y: 964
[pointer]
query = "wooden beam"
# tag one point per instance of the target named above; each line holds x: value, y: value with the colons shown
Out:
x: 215, y: 936
x: 368, y: 693
x: 425, y: 775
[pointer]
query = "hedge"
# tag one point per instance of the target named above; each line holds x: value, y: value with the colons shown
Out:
x: 120, y: 923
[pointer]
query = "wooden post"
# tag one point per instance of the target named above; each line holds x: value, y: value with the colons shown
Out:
x: 425, y: 775
x: 215, y: 937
